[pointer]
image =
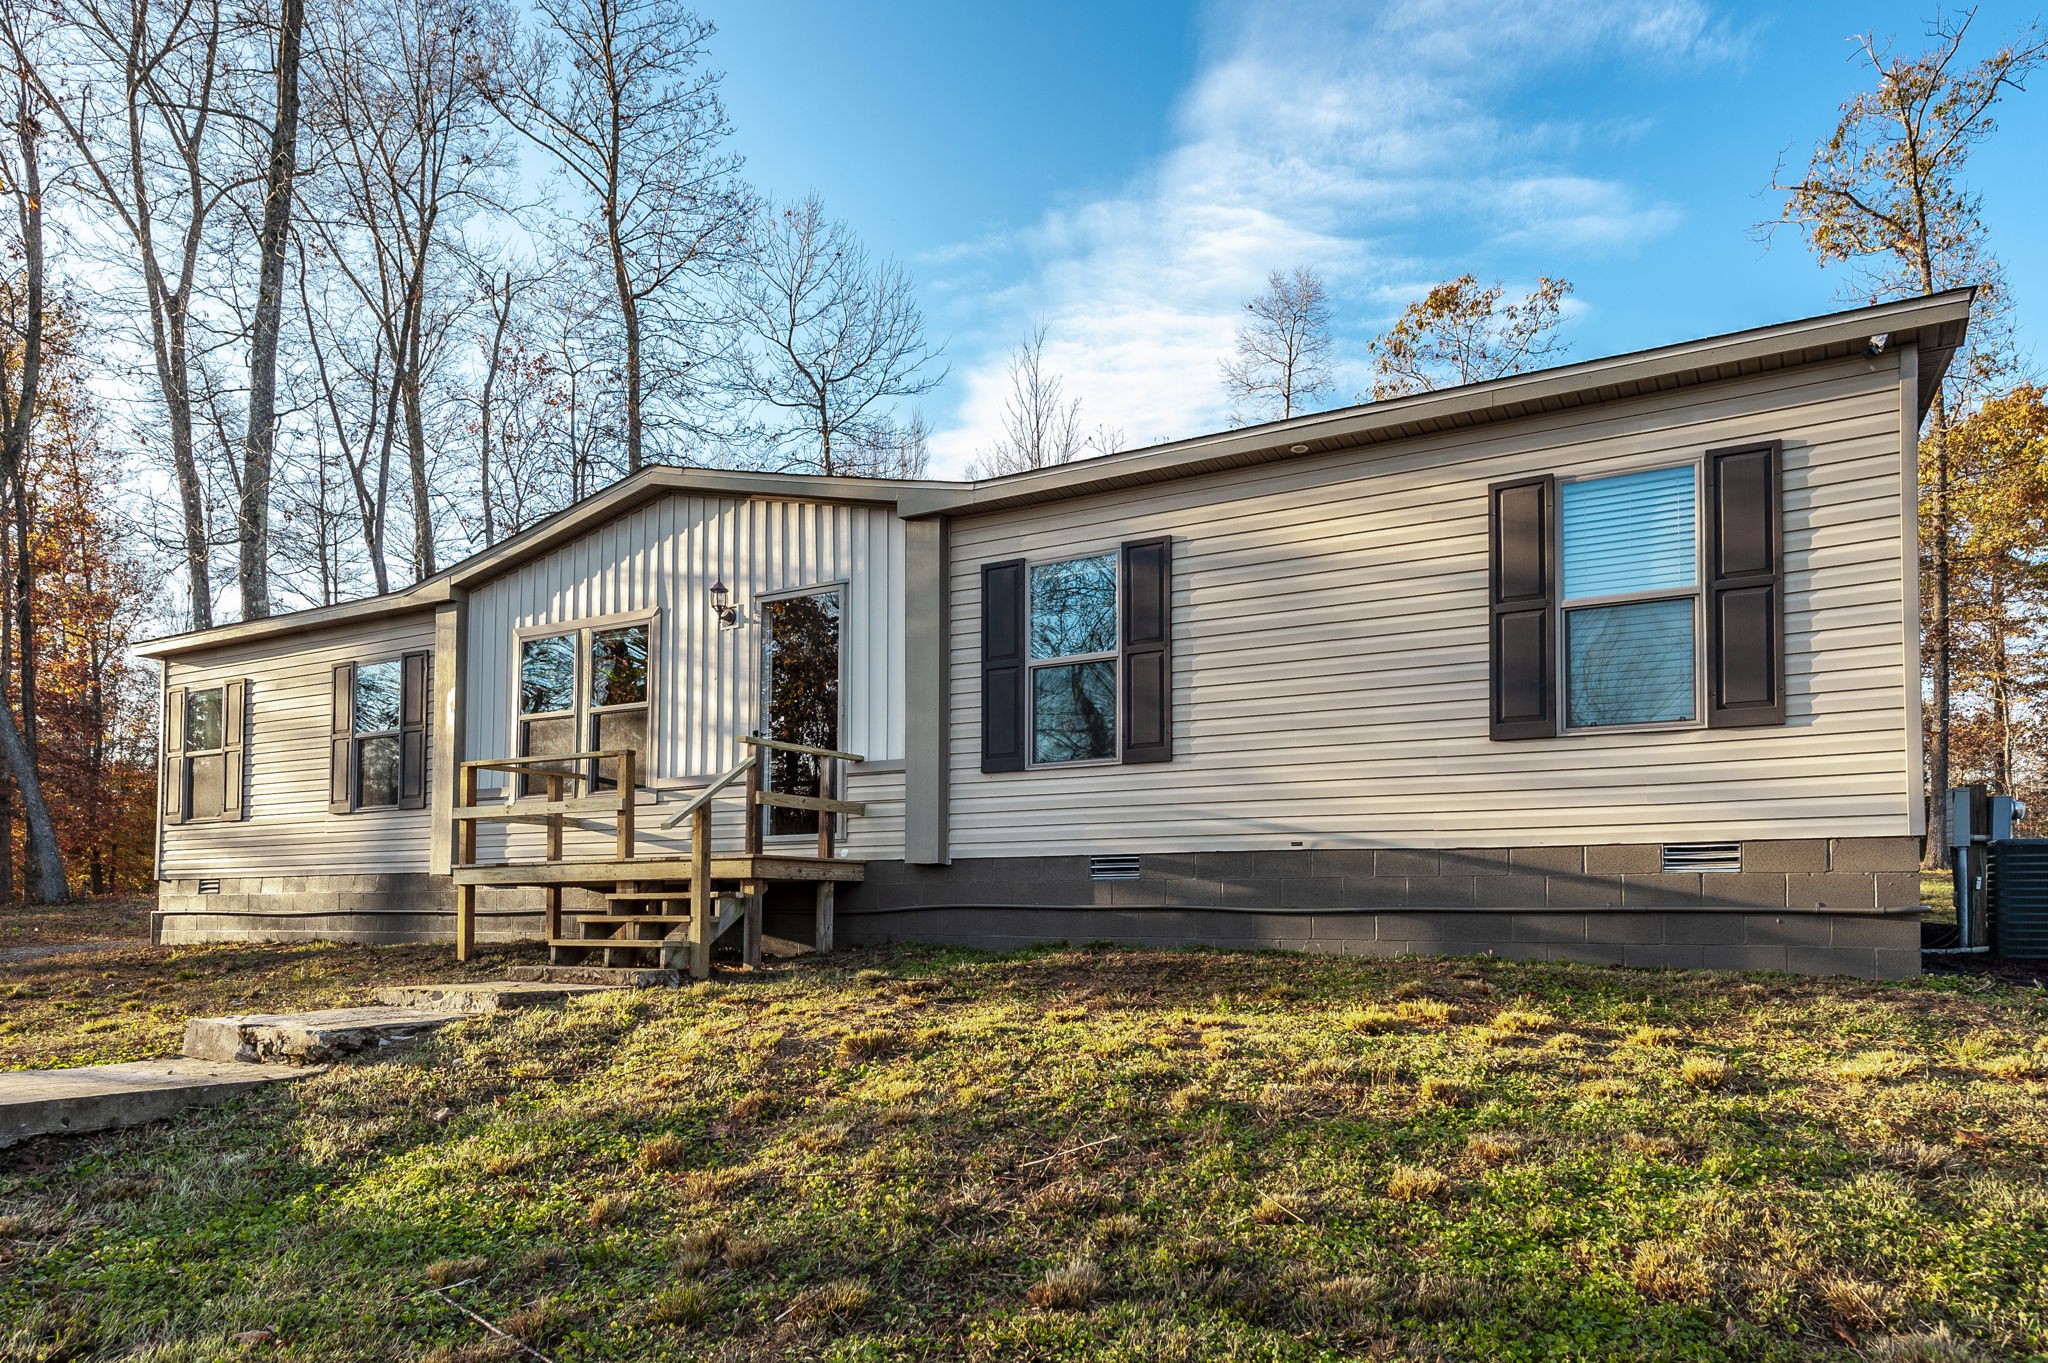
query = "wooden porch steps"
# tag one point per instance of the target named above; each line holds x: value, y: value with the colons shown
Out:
x: 689, y: 901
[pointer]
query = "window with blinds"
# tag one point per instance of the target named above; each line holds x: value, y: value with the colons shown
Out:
x: 1630, y: 560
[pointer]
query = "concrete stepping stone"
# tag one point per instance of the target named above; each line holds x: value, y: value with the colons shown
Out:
x: 309, y: 1038
x: 493, y: 996
x: 103, y: 1097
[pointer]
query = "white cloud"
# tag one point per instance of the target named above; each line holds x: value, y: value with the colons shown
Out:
x: 1370, y: 141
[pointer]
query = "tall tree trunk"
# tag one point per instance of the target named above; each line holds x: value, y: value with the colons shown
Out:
x: 18, y: 393
x: 492, y: 364
x: 278, y: 189
x: 629, y: 313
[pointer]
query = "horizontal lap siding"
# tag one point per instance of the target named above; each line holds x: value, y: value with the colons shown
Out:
x: 1330, y: 658
x: 664, y: 558
x: 288, y: 831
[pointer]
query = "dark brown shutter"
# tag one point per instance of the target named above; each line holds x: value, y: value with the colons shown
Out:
x: 1521, y: 585
x: 1002, y: 666
x: 412, y: 733
x: 341, y: 784
x: 1148, y: 650
x: 234, y: 732
x: 1745, y: 588
x: 174, y: 755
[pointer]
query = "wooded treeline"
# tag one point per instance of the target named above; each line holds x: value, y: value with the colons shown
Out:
x: 363, y: 287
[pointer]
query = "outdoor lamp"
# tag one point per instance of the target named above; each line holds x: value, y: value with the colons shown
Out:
x: 721, y: 606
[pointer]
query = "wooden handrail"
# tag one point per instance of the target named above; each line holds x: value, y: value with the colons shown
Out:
x: 703, y: 796
x: 781, y: 746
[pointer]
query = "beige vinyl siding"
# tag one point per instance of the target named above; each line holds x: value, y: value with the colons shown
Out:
x: 664, y: 558
x: 288, y: 831
x: 1330, y: 658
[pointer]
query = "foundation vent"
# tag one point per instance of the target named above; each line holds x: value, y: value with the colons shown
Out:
x: 1702, y: 856
x: 1112, y: 868
x: 209, y: 887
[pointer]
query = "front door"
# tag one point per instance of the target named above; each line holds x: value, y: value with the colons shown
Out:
x: 800, y: 696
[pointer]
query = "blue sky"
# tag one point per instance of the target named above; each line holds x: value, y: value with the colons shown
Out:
x: 1129, y: 173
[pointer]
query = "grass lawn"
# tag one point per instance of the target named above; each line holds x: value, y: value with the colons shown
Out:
x: 113, y: 918
x: 1089, y: 1153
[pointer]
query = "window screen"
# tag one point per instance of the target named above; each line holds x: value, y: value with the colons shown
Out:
x: 1631, y: 587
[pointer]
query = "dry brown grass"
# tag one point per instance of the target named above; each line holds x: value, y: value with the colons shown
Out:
x: 1441, y: 1091
x: 446, y: 1271
x: 662, y: 1152
x: 867, y: 1043
x: 1522, y: 1021
x: 747, y: 1251
x: 1867, y: 1066
x: 1858, y: 1302
x: 1705, y: 1072
x: 841, y: 1299
x: 1664, y: 1272
x: 1652, y: 1038
x: 1068, y: 1286
x: 1416, y: 1183
x: 1488, y: 1147
x: 684, y: 1303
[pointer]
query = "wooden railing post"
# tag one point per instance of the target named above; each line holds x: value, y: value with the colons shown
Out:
x: 700, y: 892
x: 752, y: 842
x: 629, y: 781
x: 828, y: 786
x: 465, y: 829
x: 554, y: 845
x: 465, y: 922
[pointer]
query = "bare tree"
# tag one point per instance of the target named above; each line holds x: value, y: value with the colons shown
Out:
x: 142, y: 90
x: 21, y: 372
x: 830, y: 339
x: 1041, y: 424
x: 408, y: 152
x: 1460, y: 333
x: 616, y: 92
x: 1282, y: 362
x: 1882, y: 193
x: 280, y: 187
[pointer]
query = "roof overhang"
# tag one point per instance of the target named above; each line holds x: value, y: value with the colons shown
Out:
x: 1936, y: 324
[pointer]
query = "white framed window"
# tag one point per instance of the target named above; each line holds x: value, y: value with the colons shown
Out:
x: 584, y: 687
x: 1071, y: 632
x: 1629, y: 612
x: 375, y: 719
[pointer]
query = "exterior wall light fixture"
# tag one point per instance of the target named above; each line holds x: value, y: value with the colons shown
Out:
x: 722, y: 606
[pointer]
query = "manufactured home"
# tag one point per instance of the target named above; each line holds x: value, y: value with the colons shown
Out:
x: 1614, y: 662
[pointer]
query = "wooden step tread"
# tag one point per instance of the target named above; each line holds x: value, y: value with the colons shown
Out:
x: 632, y: 918
x: 644, y: 896
x: 613, y: 944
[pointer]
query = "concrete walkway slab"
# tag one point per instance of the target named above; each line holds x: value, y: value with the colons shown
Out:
x: 309, y: 1038
x: 493, y: 996
x: 102, y: 1097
